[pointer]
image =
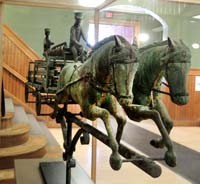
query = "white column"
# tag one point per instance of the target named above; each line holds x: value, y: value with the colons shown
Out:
x: 94, y: 155
x: 94, y: 141
x: 96, y: 25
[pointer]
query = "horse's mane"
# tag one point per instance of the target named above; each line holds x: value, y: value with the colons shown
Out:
x: 108, y: 39
x: 155, y: 44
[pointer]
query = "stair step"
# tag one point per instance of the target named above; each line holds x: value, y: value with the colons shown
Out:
x: 51, y: 139
x: 33, y: 148
x: 6, y: 122
x: 39, y: 128
x: 20, y: 115
x: 54, y: 152
x: 9, y: 107
x: 15, y: 135
x: 35, y: 127
x: 7, y: 176
x: 53, y: 149
x: 10, y: 112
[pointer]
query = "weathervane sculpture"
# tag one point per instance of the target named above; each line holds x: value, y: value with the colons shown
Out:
x: 110, y: 82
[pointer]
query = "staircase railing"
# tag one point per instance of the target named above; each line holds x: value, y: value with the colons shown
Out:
x: 16, y: 57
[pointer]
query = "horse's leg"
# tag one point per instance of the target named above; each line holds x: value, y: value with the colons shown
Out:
x: 97, y: 112
x: 170, y: 157
x: 168, y: 123
x: 118, y: 112
x: 121, y: 121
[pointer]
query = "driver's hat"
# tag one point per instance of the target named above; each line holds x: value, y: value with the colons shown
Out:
x: 47, y: 30
x: 78, y: 15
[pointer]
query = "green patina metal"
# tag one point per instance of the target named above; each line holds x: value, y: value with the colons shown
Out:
x: 95, y: 83
x: 170, y: 60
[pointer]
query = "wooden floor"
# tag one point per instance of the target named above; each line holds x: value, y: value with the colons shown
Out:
x: 130, y: 174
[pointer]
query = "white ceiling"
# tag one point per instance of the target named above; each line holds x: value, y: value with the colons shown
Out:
x: 72, y: 4
x: 187, y: 1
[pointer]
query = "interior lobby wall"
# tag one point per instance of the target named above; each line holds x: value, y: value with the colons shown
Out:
x: 29, y: 24
x: 178, y: 17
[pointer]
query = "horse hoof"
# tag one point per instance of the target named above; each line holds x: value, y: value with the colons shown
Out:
x: 170, y: 159
x: 157, y: 143
x: 115, y: 161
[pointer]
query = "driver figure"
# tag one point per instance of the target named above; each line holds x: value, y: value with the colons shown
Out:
x: 76, y: 33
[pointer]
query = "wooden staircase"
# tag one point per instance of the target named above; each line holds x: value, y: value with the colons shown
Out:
x: 22, y: 136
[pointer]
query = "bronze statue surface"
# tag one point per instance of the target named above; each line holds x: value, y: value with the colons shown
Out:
x: 95, y: 83
x: 170, y: 60
x: 76, y: 33
x: 47, y: 42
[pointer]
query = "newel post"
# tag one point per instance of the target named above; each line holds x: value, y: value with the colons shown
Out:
x: 1, y: 50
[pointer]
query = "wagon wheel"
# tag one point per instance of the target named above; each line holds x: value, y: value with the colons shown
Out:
x: 26, y: 93
x: 38, y: 103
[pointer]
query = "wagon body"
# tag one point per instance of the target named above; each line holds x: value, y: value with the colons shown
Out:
x: 42, y: 79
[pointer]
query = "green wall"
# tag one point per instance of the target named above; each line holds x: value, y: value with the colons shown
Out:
x: 178, y: 17
x: 29, y: 22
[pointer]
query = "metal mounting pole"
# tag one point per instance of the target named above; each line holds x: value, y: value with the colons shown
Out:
x: 144, y: 163
x: 67, y: 137
x: 66, y: 119
x: 69, y: 156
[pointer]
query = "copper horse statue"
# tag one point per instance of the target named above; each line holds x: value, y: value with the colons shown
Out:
x: 170, y: 60
x: 96, y: 85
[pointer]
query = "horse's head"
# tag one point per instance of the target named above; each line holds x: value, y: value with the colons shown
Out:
x: 176, y: 71
x: 123, y: 66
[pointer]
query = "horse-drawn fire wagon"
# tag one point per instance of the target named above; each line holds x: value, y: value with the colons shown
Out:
x: 43, y: 76
x: 101, y: 92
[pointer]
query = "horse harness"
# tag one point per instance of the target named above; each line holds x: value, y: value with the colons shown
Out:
x: 108, y: 87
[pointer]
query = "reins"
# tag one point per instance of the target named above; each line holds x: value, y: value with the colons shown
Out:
x: 113, y: 63
x: 160, y: 91
x: 111, y: 86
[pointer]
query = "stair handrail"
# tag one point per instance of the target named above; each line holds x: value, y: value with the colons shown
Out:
x: 13, y: 72
x: 20, y: 43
